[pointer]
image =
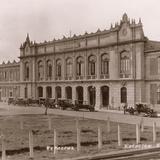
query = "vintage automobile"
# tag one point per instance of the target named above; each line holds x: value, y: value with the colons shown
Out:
x: 33, y: 101
x: 83, y: 105
x: 142, y: 108
x: 41, y: 101
x: 52, y: 103
x: 21, y: 101
x: 65, y: 104
x: 130, y: 110
x: 11, y: 101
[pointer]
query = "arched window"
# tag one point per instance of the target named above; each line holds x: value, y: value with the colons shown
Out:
x: 49, y: 69
x: 104, y: 64
x: 40, y: 70
x: 26, y: 71
x: 92, y: 65
x: 80, y: 66
x: 58, y: 68
x: 123, y: 95
x: 69, y: 67
x: 125, y: 63
x: 105, y: 96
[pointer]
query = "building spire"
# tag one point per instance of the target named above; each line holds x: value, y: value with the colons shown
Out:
x: 27, y: 38
x: 125, y: 17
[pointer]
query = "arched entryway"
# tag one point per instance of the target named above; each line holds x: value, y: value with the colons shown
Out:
x: 123, y: 95
x: 49, y: 92
x: 79, y: 91
x: 58, y: 92
x: 68, y: 92
x: 92, y: 95
x: 40, y: 92
x: 105, y: 96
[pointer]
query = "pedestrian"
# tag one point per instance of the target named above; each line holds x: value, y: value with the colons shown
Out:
x: 46, y: 105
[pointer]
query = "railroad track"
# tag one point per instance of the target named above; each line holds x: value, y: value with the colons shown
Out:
x: 138, y: 154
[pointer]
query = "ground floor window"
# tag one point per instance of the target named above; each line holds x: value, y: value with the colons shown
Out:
x: 105, y: 96
x: 68, y: 92
x: 58, y: 92
x: 123, y: 95
x: 79, y: 91
x: 49, y: 92
x: 92, y: 95
x: 40, y: 92
x: 25, y: 92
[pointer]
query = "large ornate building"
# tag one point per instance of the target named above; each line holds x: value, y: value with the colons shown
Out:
x: 105, y: 68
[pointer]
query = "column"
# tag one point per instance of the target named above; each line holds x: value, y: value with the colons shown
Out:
x: 74, y: 67
x: 85, y: 93
x: 44, y: 91
x: 63, y: 67
x: 98, y: 65
x: 85, y: 66
x: 74, y: 97
x: 53, y: 69
x: 98, y: 98
x: 53, y: 92
x: 44, y: 70
x: 63, y: 92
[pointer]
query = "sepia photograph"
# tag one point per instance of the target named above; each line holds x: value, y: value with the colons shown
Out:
x: 79, y: 80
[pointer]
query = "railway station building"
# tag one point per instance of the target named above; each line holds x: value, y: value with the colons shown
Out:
x: 107, y: 68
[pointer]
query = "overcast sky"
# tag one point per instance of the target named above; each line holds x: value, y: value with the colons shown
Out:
x: 49, y: 19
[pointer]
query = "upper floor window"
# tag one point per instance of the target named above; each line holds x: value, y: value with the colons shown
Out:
x: 125, y: 63
x: 154, y: 66
x: 92, y: 65
x: 105, y: 64
x: 80, y: 66
x: 49, y: 69
x: 69, y: 67
x: 26, y: 71
x: 40, y: 70
x: 58, y: 68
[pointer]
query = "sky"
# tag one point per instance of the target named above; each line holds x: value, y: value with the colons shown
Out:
x: 49, y: 19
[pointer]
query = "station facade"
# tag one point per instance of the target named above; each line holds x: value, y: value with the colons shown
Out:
x: 107, y: 68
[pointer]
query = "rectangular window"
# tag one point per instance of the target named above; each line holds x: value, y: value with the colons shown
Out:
x: 153, y: 93
x: 25, y: 92
x: 153, y: 66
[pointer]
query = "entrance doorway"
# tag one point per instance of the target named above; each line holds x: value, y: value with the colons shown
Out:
x: 105, y: 96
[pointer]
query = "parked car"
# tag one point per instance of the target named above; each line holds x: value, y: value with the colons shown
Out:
x: 142, y: 108
x: 65, y: 104
x: 41, y: 101
x: 11, y: 101
x: 83, y: 105
x: 33, y: 101
x: 52, y: 103
x: 21, y: 101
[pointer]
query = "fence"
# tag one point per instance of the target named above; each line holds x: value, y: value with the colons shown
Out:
x: 139, y: 127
